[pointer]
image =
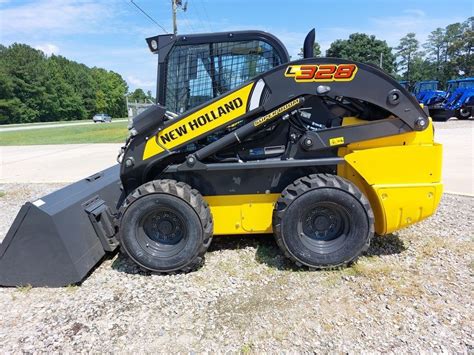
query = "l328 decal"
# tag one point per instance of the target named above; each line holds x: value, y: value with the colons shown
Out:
x: 321, y: 72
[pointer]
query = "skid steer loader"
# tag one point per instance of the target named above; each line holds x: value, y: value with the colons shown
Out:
x: 321, y: 152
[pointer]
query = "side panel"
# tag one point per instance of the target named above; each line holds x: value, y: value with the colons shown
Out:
x: 242, y: 214
x: 401, y: 176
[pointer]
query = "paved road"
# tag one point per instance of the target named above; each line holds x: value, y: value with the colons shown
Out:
x: 67, y: 163
x: 53, y: 125
x: 54, y: 163
x: 458, y: 155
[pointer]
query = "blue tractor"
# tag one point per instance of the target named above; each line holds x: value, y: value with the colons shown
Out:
x: 458, y: 101
x: 405, y: 84
x: 426, y: 90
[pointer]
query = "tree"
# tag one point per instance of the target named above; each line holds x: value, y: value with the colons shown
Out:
x: 422, y: 69
x: 468, y: 47
x: 435, y: 47
x: 35, y: 88
x: 363, y: 48
x: 100, y: 102
x: 150, y: 96
x: 407, y: 51
x: 138, y: 96
x: 316, y: 50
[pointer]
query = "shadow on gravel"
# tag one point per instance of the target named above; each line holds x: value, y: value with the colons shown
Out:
x: 124, y: 264
x: 267, y: 251
x: 389, y: 244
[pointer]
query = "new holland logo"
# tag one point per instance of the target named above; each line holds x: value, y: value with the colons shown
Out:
x: 198, y: 123
x: 321, y: 72
x: 201, y: 121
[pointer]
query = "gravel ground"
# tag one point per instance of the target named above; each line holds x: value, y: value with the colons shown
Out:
x: 412, y: 292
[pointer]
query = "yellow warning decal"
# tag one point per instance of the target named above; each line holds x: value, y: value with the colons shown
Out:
x: 336, y: 141
x: 213, y: 116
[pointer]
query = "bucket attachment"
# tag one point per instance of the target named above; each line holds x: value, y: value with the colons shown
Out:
x: 58, y: 239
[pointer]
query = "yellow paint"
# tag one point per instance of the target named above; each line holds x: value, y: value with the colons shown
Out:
x: 336, y: 141
x: 411, y: 164
x: 242, y: 214
x: 406, y: 204
x: 400, y: 175
x: 185, y: 129
x: 410, y: 138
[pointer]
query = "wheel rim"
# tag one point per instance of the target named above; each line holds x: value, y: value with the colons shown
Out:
x: 465, y: 112
x: 162, y: 232
x: 324, y: 226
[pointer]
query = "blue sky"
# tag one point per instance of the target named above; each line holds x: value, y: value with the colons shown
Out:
x: 110, y: 33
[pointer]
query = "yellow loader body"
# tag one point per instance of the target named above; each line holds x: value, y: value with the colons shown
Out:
x: 400, y: 175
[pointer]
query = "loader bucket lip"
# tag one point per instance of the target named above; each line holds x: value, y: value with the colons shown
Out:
x: 62, y: 237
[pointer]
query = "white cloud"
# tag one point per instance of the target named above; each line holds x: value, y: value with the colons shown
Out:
x: 139, y: 83
x: 415, y: 12
x: 55, y: 16
x: 389, y: 28
x: 48, y: 48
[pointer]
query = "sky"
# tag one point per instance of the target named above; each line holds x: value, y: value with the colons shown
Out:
x: 111, y: 33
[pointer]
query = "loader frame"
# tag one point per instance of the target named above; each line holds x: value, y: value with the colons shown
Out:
x: 240, y: 150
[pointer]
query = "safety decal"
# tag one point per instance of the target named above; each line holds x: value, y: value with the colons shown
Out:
x: 321, y: 72
x: 336, y: 141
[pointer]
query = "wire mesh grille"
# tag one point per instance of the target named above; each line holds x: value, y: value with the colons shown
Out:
x: 198, y: 73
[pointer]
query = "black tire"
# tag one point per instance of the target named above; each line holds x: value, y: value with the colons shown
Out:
x: 323, y: 221
x: 463, y: 113
x: 165, y: 227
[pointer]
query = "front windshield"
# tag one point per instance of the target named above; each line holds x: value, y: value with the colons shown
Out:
x: 452, y: 86
x: 428, y: 86
x: 198, y: 73
x: 467, y: 84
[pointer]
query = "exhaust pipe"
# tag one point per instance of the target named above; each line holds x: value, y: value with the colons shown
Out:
x: 58, y: 239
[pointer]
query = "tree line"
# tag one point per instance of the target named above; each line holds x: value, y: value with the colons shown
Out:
x: 38, y: 88
x: 447, y: 54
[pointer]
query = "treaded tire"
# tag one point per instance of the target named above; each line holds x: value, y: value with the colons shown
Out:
x: 299, y: 210
x: 185, y: 214
x: 464, y: 113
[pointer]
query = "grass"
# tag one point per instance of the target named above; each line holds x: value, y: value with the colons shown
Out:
x: 36, y: 124
x: 115, y: 132
x: 2, y: 193
x: 246, y: 348
x: 24, y: 289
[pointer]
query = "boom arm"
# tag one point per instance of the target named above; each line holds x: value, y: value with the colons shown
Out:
x: 264, y: 99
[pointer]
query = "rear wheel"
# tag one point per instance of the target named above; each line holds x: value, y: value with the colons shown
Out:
x: 166, y: 226
x: 323, y: 221
x: 464, y: 113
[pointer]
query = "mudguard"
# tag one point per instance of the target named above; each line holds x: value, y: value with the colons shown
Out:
x: 58, y: 239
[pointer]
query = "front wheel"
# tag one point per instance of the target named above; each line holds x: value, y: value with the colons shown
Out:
x: 323, y: 221
x: 165, y: 226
